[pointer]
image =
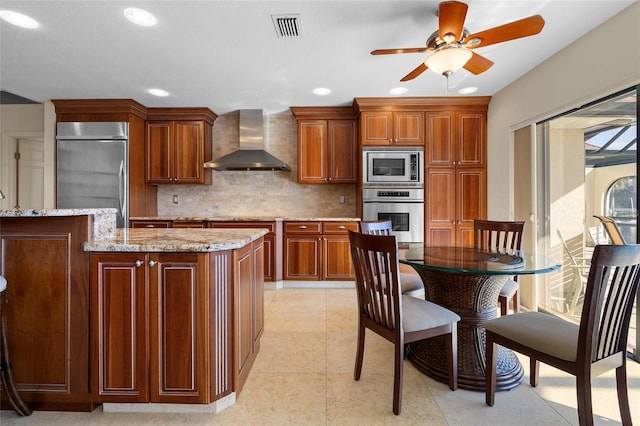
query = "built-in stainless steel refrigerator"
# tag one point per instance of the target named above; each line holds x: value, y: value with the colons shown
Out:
x: 92, y: 166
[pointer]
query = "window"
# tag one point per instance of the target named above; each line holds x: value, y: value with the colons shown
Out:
x: 621, y: 205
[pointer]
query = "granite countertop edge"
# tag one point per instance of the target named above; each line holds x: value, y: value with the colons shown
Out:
x: 175, y: 240
x: 247, y: 218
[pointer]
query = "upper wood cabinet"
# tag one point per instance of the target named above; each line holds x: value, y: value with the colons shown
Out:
x: 327, y: 145
x: 456, y: 138
x: 177, y: 144
x: 392, y: 128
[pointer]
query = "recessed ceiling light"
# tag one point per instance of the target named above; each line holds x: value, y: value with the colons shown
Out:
x: 468, y: 90
x: 18, y: 19
x: 140, y: 17
x: 398, y: 90
x: 158, y: 92
x: 321, y: 91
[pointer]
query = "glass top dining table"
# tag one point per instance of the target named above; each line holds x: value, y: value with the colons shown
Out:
x: 468, y: 281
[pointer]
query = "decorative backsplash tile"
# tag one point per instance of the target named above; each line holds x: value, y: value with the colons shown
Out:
x: 268, y: 193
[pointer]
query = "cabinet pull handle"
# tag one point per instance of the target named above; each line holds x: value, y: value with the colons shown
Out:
x: 302, y: 226
x: 138, y: 263
x: 341, y: 227
x: 152, y: 263
x: 150, y: 226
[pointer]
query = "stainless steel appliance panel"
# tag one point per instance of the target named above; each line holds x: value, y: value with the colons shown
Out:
x: 404, y: 207
x: 393, y: 166
x: 93, y: 173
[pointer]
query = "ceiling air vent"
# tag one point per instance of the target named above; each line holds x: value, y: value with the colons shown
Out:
x: 287, y: 26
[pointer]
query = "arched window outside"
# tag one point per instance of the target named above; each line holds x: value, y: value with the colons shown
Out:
x: 621, y: 205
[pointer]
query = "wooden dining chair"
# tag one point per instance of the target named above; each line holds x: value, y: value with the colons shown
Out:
x: 410, y: 282
x: 611, y: 227
x: 596, y: 345
x: 398, y: 318
x: 493, y: 235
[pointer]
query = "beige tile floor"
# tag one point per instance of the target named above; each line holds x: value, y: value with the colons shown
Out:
x: 304, y: 376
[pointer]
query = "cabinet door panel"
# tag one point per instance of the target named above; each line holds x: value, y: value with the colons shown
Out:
x: 376, y: 128
x: 159, y: 162
x: 337, y: 263
x: 409, y: 128
x: 312, y: 151
x: 471, y: 196
x: 471, y: 135
x: 178, y: 336
x: 258, y: 294
x: 189, y: 147
x: 301, y: 254
x: 119, y: 328
x: 342, y: 151
x: 440, y: 209
x: 440, y: 145
x: 244, y: 322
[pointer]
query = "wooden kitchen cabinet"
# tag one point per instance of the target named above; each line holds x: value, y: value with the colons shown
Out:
x: 456, y: 139
x: 454, y: 197
x: 315, y: 251
x: 327, y: 151
x: 178, y: 142
x: 336, y: 261
x: 272, y: 244
x: 248, y: 294
x: 150, y: 327
x: 47, y: 311
x: 327, y: 144
x: 392, y: 128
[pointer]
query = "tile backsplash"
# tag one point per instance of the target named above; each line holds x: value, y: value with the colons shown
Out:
x: 258, y: 193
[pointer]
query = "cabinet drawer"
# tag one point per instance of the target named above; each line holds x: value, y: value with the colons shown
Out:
x: 150, y: 224
x: 189, y: 224
x: 303, y: 227
x: 339, y: 227
x: 271, y: 226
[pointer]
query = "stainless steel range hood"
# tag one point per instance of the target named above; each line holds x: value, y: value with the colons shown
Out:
x: 251, y: 155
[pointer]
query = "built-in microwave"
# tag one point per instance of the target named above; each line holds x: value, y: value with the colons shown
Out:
x: 393, y: 166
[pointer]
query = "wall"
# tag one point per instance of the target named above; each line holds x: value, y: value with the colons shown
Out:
x: 23, y: 121
x: 258, y: 193
x: 594, y: 66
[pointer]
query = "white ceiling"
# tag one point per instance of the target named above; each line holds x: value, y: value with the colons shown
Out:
x: 226, y: 55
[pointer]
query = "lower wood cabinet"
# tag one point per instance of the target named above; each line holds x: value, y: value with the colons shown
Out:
x: 315, y: 250
x: 47, y: 310
x: 172, y: 327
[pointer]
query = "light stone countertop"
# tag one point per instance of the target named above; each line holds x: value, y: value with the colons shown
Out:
x: 103, y: 223
x: 249, y: 218
x: 175, y: 240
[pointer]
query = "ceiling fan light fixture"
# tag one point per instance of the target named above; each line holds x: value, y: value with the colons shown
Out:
x: 448, y: 60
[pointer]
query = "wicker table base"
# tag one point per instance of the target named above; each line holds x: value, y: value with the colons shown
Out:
x: 474, y: 298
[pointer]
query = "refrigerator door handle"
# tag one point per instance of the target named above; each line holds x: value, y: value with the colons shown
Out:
x: 121, y: 189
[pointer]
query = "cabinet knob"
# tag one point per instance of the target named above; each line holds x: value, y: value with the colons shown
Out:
x: 138, y: 263
x: 152, y: 263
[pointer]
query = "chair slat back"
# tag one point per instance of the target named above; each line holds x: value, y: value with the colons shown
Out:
x: 495, y: 235
x: 376, y: 227
x: 375, y: 260
x: 611, y: 287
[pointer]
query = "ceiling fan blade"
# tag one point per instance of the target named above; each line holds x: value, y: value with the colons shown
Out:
x: 407, y: 50
x: 451, y: 16
x: 478, y: 64
x: 416, y: 72
x: 517, y: 29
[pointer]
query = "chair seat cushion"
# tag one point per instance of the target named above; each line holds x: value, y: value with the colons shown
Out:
x: 509, y: 289
x: 420, y: 314
x: 411, y: 284
x: 542, y: 332
x: 3, y: 284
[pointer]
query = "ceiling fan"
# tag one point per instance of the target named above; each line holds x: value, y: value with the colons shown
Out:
x: 452, y: 44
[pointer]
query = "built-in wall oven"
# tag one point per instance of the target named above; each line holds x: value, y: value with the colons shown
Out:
x: 393, y: 167
x: 403, y: 206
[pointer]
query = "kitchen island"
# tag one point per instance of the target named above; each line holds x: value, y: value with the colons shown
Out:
x: 129, y: 316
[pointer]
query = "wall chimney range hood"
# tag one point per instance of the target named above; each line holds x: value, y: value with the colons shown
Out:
x: 251, y: 155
